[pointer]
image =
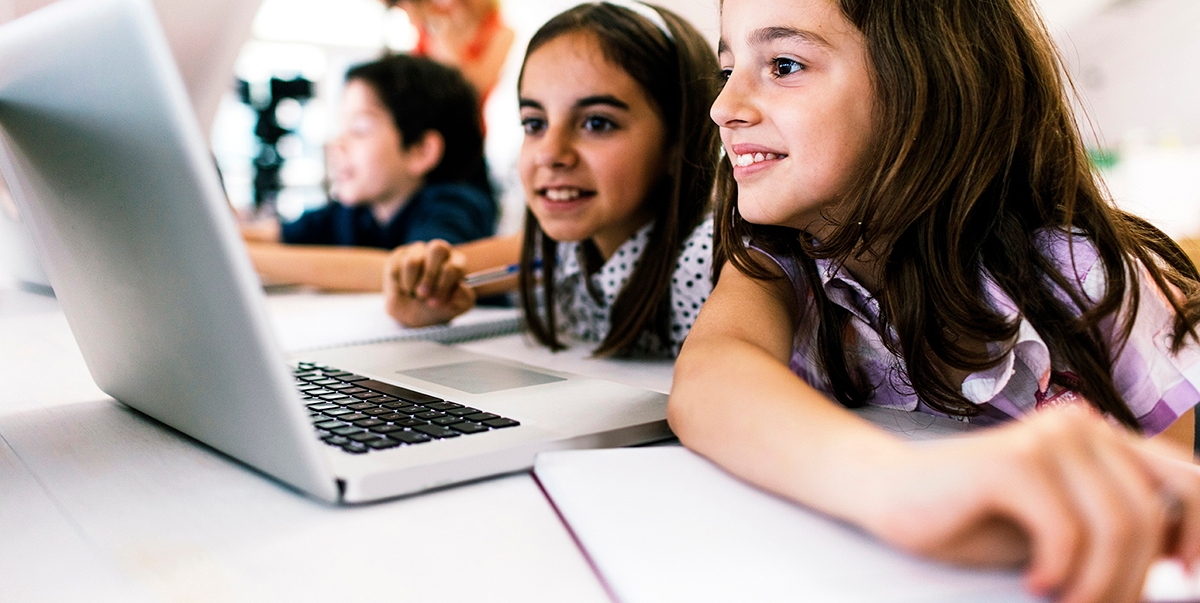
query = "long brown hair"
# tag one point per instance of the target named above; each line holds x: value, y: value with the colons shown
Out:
x: 678, y: 74
x: 976, y: 150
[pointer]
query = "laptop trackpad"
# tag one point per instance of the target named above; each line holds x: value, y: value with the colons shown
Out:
x: 480, y: 376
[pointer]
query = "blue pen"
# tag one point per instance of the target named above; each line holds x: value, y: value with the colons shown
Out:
x: 492, y: 275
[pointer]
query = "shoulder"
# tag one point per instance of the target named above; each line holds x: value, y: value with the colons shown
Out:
x: 451, y: 195
x: 316, y: 226
x: 1074, y: 255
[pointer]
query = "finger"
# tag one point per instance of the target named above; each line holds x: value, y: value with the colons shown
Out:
x: 1180, y: 483
x: 1033, y: 496
x: 1144, y: 512
x: 437, y: 252
x: 412, y: 270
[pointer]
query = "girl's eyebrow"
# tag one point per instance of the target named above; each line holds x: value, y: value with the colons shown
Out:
x: 772, y: 34
x: 601, y: 99
x: 587, y: 101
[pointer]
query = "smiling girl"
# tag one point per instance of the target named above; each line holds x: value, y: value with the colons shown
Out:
x: 909, y: 220
x: 618, y: 164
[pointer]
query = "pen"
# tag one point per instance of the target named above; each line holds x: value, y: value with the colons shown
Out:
x: 492, y: 275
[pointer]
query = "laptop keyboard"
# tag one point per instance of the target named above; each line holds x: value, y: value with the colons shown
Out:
x: 359, y: 414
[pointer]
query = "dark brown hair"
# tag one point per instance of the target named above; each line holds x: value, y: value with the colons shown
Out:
x: 975, y: 151
x: 678, y: 74
x: 422, y: 95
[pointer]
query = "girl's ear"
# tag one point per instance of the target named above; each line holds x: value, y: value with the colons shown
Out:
x: 425, y: 154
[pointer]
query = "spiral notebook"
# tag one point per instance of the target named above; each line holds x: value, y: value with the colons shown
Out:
x: 308, y: 321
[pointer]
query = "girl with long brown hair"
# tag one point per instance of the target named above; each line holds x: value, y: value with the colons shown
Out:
x: 618, y: 165
x: 908, y: 219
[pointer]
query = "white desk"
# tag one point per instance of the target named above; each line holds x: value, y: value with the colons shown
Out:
x: 98, y: 503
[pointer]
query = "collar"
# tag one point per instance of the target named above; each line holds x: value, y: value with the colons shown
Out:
x: 983, y: 386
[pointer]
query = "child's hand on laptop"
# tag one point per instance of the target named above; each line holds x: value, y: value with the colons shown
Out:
x: 423, y: 284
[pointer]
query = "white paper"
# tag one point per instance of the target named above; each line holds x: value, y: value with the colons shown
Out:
x: 663, y: 524
x: 307, y: 321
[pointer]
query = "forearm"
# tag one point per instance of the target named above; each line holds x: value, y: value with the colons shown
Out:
x: 325, y: 267
x: 740, y: 406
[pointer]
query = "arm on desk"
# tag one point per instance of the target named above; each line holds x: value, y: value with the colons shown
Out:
x: 321, y: 266
x: 1086, y: 506
x: 423, y: 282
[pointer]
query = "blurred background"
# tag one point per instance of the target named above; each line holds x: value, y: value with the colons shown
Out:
x: 265, y: 77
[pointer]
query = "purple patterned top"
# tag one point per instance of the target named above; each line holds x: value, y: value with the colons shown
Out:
x: 1157, y: 384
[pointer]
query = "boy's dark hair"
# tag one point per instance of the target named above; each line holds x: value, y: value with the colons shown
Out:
x: 976, y: 151
x: 678, y: 74
x: 423, y: 95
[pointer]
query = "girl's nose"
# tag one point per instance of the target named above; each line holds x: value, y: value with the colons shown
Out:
x: 733, y: 108
x: 555, y: 149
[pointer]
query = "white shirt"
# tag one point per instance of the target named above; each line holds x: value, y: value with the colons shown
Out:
x: 584, y: 311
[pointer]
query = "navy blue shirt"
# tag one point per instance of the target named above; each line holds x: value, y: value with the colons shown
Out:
x: 456, y: 213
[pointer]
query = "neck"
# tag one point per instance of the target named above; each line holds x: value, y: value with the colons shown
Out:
x: 387, y: 209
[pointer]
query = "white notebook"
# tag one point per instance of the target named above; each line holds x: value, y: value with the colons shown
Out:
x: 309, y: 321
x: 662, y: 524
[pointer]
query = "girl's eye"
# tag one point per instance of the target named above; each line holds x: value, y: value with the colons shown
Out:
x: 782, y: 67
x: 724, y: 75
x: 533, y: 125
x: 596, y: 123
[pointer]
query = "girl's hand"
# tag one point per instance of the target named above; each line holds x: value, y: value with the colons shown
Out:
x: 423, y: 284
x: 1087, y: 508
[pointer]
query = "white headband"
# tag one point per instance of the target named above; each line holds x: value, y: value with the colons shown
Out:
x: 646, y: 12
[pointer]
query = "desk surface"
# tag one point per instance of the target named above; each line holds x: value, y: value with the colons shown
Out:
x: 99, y: 503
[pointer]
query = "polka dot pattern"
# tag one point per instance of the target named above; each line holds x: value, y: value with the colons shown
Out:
x: 584, y: 307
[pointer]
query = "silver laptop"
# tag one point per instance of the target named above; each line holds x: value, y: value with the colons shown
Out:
x: 107, y: 164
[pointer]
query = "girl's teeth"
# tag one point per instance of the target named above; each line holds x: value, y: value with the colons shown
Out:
x: 562, y: 194
x: 753, y: 158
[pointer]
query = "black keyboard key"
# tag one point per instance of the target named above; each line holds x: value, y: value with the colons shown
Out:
x: 333, y: 397
x: 386, y: 428
x: 462, y: 411
x: 375, y: 412
x: 442, y: 405
x: 479, y: 417
x: 399, y: 392
x: 355, y: 447
x: 392, y: 416
x: 322, y: 406
x: 385, y: 399
x: 330, y: 424
x: 362, y: 406
x: 382, y: 444
x: 326, y: 382
x: 501, y: 423
x: 469, y: 427
x: 348, y: 430
x: 431, y: 414
x: 337, y: 374
x: 351, y: 378
x: 353, y: 417
x: 320, y: 391
x: 406, y: 422
x: 335, y: 440
x: 369, y: 423
x: 446, y: 420
x: 365, y: 436
x: 367, y: 395
x: 341, y: 387
x: 409, y: 437
x: 395, y: 405
x: 436, y: 431
x: 337, y: 412
x: 350, y: 391
x: 411, y: 409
